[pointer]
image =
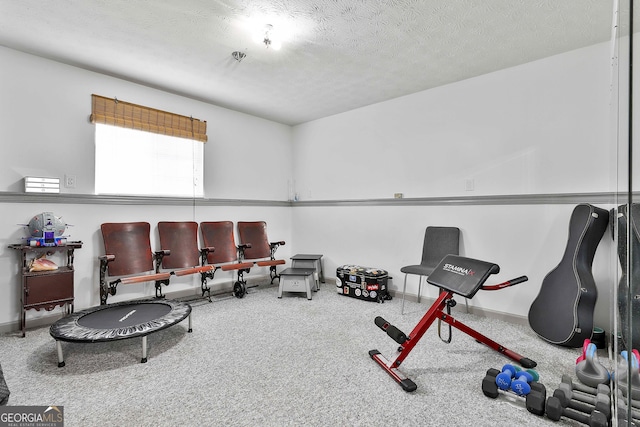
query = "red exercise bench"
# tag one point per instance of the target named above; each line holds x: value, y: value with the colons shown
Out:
x: 454, y: 275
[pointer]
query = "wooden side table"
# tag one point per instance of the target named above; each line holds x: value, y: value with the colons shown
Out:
x: 45, y: 289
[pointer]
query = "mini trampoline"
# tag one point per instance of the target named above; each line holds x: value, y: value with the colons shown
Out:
x: 119, y: 321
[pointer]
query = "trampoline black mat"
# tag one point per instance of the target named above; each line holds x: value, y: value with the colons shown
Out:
x: 117, y: 321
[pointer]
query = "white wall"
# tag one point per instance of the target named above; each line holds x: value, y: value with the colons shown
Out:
x: 45, y: 131
x: 44, y: 112
x: 523, y: 240
x: 538, y: 128
x: 86, y: 228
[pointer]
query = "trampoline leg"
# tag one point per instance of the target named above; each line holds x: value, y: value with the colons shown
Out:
x: 60, y: 355
x: 190, y: 325
x: 144, y: 349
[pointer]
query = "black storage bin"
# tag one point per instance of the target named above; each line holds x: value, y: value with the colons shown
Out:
x: 369, y: 284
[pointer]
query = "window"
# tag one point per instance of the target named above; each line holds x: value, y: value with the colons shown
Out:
x: 144, y: 151
x: 133, y: 162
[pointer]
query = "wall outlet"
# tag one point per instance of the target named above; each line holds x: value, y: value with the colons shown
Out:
x: 398, y: 195
x: 70, y: 181
x: 469, y: 185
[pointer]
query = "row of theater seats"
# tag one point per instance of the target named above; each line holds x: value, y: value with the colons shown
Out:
x: 129, y: 257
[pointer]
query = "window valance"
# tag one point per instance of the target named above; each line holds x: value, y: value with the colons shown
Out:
x: 114, y: 112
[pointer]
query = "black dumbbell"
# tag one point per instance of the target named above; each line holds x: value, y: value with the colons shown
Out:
x: 492, y: 372
x: 534, y: 401
x: 601, y: 402
x: 602, y: 388
x: 582, y: 397
x: 555, y: 411
x: 623, y: 421
x: 622, y: 407
x: 623, y: 417
x: 634, y: 403
x: 489, y: 386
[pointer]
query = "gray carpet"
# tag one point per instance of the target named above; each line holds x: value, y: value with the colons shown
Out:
x: 264, y: 361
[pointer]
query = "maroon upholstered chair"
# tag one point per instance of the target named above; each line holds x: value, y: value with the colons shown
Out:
x: 128, y: 257
x: 261, y: 252
x: 179, y: 239
x: 227, y: 256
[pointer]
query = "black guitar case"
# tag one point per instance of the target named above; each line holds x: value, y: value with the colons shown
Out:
x: 629, y: 295
x: 562, y: 313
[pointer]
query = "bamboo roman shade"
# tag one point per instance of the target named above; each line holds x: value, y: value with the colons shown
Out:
x: 112, y: 111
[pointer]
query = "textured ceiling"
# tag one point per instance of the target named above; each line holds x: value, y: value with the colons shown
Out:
x: 336, y: 55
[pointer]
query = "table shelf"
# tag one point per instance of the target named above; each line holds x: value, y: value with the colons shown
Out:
x: 45, y: 289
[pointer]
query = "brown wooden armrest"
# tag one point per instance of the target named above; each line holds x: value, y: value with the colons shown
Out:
x: 193, y: 270
x: 236, y: 266
x: 145, y: 278
x: 270, y: 262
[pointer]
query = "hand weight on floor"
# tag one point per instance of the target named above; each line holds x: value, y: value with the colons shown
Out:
x: 504, y: 378
x: 534, y: 401
x: 515, y: 379
x: 555, y: 411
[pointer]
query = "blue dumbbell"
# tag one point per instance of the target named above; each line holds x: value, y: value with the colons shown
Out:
x: 521, y: 385
x: 504, y: 378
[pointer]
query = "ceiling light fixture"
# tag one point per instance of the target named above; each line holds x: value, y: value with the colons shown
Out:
x: 269, y: 39
x: 238, y: 56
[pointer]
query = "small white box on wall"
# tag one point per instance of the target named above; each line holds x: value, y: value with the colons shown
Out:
x: 36, y: 184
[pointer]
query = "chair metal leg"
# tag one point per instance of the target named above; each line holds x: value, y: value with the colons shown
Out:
x: 404, y: 289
